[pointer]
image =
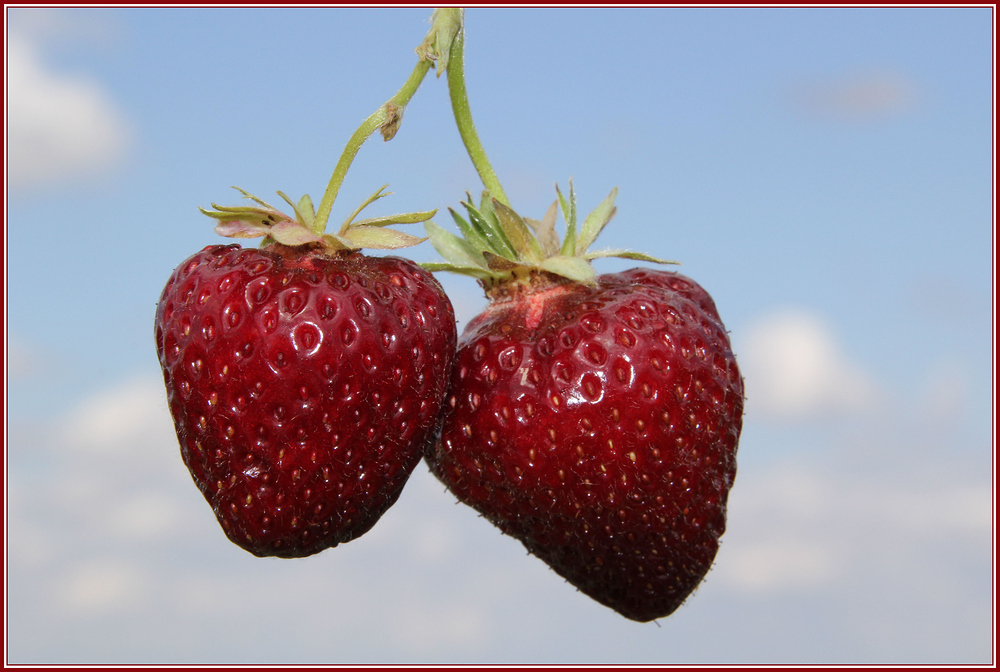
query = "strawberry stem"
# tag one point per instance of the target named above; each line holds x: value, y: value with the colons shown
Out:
x: 463, y: 118
x: 386, y: 118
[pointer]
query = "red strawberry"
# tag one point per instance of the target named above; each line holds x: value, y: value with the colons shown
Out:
x: 594, y: 419
x: 304, y: 381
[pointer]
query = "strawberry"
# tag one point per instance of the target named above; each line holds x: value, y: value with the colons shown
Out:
x: 595, y: 419
x: 304, y: 378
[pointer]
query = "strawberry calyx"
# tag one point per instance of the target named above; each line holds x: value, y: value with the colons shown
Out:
x: 499, y: 248
x: 302, y: 229
x: 507, y: 253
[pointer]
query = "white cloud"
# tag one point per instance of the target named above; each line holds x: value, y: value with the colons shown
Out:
x: 118, y: 418
x: 59, y: 126
x: 944, y: 395
x: 429, y: 627
x: 103, y: 586
x: 779, y: 565
x: 806, y: 527
x: 147, y: 516
x: 22, y: 359
x: 795, y: 369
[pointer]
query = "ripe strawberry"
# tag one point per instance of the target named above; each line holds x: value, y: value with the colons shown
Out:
x: 305, y: 379
x: 594, y: 419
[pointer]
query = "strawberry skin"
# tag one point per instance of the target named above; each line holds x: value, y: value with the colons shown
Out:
x: 599, y: 426
x: 304, y: 387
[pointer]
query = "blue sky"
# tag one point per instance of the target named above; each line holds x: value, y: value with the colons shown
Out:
x: 827, y: 174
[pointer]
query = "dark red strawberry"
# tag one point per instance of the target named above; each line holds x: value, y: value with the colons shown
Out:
x: 594, y: 419
x: 304, y: 381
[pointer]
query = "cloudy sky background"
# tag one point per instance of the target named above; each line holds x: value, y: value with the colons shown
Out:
x: 827, y: 174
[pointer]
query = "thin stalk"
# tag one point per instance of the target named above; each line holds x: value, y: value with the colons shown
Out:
x: 386, y: 118
x: 463, y: 118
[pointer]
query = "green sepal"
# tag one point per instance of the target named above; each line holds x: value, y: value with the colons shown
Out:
x: 404, y: 218
x: 596, y: 221
x: 306, y: 210
x: 304, y: 218
x: 240, y: 228
x: 376, y: 237
x: 293, y: 233
x: 497, y: 263
x: 545, y: 230
x: 569, y: 216
x: 480, y: 273
x: 574, y: 268
x: 457, y: 251
x: 337, y: 242
x: 471, y: 234
x: 364, y: 204
x: 491, y: 231
x: 627, y: 254
x: 518, y: 234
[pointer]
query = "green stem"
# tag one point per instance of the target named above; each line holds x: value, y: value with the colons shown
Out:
x: 463, y: 118
x: 386, y: 118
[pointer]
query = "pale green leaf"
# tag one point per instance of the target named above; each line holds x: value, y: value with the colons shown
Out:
x: 573, y: 268
x: 368, y: 201
x: 404, y: 218
x: 596, y: 221
x: 518, y: 233
x: 292, y: 233
x: 497, y: 263
x: 473, y: 271
x: 569, y: 215
x: 299, y: 217
x: 545, y: 230
x: 378, y: 238
x: 306, y: 209
x: 627, y: 254
x: 455, y: 250
x: 336, y: 242
x: 491, y: 231
x: 247, y: 194
x: 241, y: 228
x: 471, y: 234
